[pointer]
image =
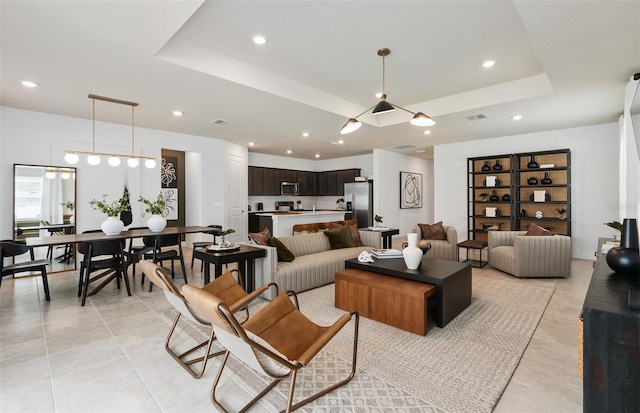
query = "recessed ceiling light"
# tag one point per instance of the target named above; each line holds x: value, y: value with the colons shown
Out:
x: 420, y: 151
x: 259, y: 39
x: 340, y: 142
x: 516, y: 117
x: 289, y: 151
x: 177, y: 113
x: 489, y: 63
x: 317, y: 155
x: 29, y: 83
x: 251, y: 143
x: 305, y: 134
x: 468, y: 124
x: 427, y: 132
x: 379, y: 95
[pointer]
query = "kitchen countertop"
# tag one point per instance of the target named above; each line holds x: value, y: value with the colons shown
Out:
x: 301, y: 213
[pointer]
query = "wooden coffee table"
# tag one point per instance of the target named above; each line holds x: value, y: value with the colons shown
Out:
x: 391, y: 300
x: 452, y: 280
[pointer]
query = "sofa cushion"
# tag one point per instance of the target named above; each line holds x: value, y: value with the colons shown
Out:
x: 536, y: 231
x: 355, y: 234
x: 435, y: 231
x: 340, y: 238
x: 283, y: 252
x: 262, y: 237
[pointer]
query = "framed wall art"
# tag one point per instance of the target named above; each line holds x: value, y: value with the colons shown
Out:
x: 410, y: 190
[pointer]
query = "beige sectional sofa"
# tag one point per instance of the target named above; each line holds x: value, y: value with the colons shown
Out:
x: 315, y: 264
x: 442, y: 249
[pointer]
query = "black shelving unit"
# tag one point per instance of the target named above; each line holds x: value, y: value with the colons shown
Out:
x: 513, y: 179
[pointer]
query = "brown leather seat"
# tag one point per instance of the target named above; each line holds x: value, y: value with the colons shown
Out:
x: 230, y: 291
x: 305, y: 228
x: 277, y: 341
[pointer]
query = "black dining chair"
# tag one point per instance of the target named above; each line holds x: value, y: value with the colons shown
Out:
x: 106, y: 257
x: 10, y: 249
x: 204, y: 244
x: 161, y: 253
x: 135, y: 251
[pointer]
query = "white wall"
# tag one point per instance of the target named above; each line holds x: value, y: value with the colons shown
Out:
x: 386, y: 188
x: 38, y: 138
x: 629, y: 157
x: 594, y: 178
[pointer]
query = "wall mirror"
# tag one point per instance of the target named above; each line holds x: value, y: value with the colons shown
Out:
x: 44, y: 199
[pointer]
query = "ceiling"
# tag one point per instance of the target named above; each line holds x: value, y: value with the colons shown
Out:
x: 559, y: 64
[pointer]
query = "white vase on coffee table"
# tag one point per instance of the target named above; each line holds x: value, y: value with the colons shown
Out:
x: 412, y: 254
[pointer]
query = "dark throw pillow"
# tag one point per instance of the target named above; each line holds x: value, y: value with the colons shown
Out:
x: 435, y: 231
x: 340, y: 238
x: 355, y: 234
x: 284, y: 254
x: 536, y: 231
x: 262, y: 237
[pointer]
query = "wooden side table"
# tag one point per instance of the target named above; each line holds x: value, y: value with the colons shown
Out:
x: 473, y: 245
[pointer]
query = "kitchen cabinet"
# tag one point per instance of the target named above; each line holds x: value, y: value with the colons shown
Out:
x: 256, y: 184
x: 327, y: 183
x: 345, y: 176
x: 271, y: 179
x: 287, y: 175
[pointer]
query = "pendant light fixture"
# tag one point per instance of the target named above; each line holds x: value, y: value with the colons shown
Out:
x: 419, y: 119
x: 93, y: 157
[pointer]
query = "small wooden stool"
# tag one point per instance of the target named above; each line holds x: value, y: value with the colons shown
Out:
x: 473, y: 245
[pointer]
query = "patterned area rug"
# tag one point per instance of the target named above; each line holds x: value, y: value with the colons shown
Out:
x: 463, y: 367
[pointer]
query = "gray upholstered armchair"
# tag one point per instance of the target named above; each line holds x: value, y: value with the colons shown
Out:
x: 530, y: 256
x: 445, y: 249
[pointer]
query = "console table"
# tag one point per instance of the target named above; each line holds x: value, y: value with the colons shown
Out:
x: 611, y: 348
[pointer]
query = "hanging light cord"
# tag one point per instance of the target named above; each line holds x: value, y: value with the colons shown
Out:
x: 93, y: 117
x: 133, y: 109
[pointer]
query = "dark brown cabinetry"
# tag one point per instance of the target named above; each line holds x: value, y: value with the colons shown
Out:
x: 256, y: 184
x: 512, y: 191
x: 271, y: 179
x: 266, y: 181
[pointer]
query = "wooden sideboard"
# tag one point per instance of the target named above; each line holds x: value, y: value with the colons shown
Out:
x: 611, y: 348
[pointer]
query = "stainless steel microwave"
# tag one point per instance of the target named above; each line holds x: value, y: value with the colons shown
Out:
x: 289, y: 188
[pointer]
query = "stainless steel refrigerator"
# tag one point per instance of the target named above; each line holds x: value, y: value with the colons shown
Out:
x: 360, y: 196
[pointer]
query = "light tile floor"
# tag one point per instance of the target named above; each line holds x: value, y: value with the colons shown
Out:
x: 109, y: 357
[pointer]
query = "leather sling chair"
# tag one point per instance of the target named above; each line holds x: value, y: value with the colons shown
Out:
x: 277, y: 341
x: 225, y: 286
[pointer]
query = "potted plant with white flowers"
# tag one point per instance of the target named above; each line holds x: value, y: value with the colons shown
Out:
x: 113, y: 225
x: 157, y: 209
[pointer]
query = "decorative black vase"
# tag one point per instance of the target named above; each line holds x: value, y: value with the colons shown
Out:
x: 523, y: 214
x: 625, y: 259
x: 546, y: 180
x: 486, y: 167
x: 532, y: 163
x: 532, y: 181
x: 497, y: 166
x: 506, y: 197
x: 493, y: 197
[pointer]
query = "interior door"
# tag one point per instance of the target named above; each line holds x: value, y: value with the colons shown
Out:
x: 236, y: 195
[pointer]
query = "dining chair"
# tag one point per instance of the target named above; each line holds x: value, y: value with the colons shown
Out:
x: 159, y: 252
x: 106, y: 257
x: 277, y: 341
x: 304, y: 228
x: 204, y: 244
x: 135, y: 252
x: 229, y: 287
x: 9, y: 249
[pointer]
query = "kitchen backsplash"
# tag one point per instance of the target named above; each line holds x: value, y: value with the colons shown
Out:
x: 269, y: 202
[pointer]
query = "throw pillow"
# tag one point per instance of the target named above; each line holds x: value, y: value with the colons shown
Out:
x: 262, y: 237
x: 284, y: 254
x: 435, y: 231
x: 340, y: 238
x: 355, y: 234
x: 536, y: 230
